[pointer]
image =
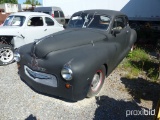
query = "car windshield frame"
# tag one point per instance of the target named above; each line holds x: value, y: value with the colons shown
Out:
x: 86, y: 20
x: 14, y: 20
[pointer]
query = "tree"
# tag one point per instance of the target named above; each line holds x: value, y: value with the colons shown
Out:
x: 32, y: 2
x: 9, y: 1
x: 38, y: 3
x: 27, y: 2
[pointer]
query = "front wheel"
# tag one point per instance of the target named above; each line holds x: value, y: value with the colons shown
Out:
x: 97, y: 82
x: 6, y: 54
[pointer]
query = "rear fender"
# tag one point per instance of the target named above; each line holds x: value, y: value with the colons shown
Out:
x: 133, y: 37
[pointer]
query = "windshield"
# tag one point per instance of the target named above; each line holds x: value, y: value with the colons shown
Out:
x: 14, y: 21
x: 84, y: 20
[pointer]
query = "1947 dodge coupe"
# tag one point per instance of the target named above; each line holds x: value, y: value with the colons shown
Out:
x: 73, y: 63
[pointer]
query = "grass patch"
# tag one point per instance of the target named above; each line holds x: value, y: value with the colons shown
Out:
x: 140, y: 63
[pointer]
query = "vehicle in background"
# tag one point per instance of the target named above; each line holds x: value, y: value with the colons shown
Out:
x: 22, y: 28
x: 55, y: 12
x: 136, y: 10
x: 76, y: 60
x: 9, y: 7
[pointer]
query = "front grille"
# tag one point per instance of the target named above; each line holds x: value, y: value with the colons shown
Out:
x: 42, y: 78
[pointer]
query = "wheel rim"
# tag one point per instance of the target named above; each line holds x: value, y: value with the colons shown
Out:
x: 97, y: 80
x: 6, y: 55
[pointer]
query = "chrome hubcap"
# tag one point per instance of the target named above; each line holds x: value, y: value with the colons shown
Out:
x: 96, y: 81
x: 6, y: 55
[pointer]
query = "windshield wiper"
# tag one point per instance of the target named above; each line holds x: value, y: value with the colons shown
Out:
x: 86, y: 20
x: 91, y: 19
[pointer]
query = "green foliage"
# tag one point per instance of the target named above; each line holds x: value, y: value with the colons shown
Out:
x: 9, y: 1
x: 139, y: 63
x: 138, y: 54
x: 32, y: 2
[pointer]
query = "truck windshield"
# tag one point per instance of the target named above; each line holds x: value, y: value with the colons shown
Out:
x: 84, y: 20
x: 14, y: 21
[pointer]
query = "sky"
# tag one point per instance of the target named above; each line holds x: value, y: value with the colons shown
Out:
x: 21, y: 1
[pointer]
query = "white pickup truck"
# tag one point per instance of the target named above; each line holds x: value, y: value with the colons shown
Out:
x: 22, y: 28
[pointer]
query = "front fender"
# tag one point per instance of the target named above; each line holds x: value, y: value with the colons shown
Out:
x: 17, y: 41
x: 83, y: 60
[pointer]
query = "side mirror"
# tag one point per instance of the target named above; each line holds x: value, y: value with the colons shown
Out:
x: 115, y: 31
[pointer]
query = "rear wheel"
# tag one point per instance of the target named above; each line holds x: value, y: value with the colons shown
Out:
x: 6, y: 54
x: 97, y: 82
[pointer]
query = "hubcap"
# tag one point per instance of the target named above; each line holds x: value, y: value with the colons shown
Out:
x: 6, y: 55
x: 97, y: 79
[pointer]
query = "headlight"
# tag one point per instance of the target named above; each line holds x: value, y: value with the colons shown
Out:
x: 17, y: 56
x: 67, y: 73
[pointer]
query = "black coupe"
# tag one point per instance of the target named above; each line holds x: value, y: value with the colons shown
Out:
x: 73, y: 63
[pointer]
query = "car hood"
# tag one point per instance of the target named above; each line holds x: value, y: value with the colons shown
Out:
x: 9, y: 30
x: 67, y: 39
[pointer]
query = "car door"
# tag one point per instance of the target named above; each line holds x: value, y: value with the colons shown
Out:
x: 62, y: 18
x: 121, y: 36
x: 52, y: 26
x: 56, y: 16
x: 118, y: 37
x: 34, y: 29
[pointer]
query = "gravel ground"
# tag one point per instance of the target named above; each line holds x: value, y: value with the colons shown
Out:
x: 117, y: 97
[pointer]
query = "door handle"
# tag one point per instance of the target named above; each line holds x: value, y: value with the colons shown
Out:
x: 45, y: 30
x: 127, y: 31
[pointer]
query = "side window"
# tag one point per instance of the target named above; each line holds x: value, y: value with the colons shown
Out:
x: 56, y: 14
x: 61, y: 14
x: 35, y: 21
x: 49, y: 21
x: 119, y: 23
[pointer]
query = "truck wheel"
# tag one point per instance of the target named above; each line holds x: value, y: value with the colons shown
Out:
x: 6, y: 54
x: 97, y: 82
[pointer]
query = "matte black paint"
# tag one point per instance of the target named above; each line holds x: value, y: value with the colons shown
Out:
x: 85, y: 50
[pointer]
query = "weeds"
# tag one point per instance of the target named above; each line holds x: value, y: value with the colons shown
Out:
x: 140, y: 63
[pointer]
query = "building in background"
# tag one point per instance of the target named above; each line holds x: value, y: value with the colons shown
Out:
x: 8, y: 8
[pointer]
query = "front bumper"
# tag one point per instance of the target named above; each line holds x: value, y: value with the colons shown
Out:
x: 43, y: 85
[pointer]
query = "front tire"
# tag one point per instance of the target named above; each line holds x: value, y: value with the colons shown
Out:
x: 97, y: 82
x: 6, y: 54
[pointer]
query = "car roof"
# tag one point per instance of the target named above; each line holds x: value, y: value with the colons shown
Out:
x: 29, y: 14
x: 111, y: 13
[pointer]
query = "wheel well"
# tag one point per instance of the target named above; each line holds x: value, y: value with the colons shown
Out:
x: 106, y: 67
x: 6, y: 40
